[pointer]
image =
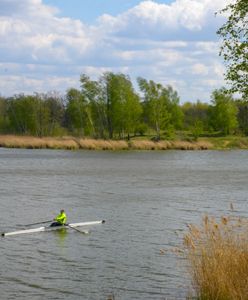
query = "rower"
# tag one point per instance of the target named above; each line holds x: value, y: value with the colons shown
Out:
x: 60, y: 219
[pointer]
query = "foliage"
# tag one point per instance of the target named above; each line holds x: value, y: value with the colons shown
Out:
x: 197, y: 129
x: 175, y: 110
x: 195, y: 113
x: 3, y: 115
x: 223, y: 112
x: 38, y: 115
x: 122, y: 104
x: 234, y: 47
x: 76, y: 113
x: 160, y: 105
x: 110, y: 108
x: 56, y: 109
x: 93, y: 92
x: 243, y: 115
x: 25, y: 115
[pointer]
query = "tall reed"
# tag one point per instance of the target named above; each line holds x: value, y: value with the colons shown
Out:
x: 67, y: 142
x: 218, y: 258
x: 29, y: 142
x: 91, y: 144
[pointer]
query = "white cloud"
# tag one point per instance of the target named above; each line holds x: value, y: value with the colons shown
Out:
x: 199, y: 69
x: 32, y: 32
x: 29, y: 85
x: 173, y: 44
x: 182, y: 18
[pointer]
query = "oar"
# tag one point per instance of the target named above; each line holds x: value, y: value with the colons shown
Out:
x: 83, y: 232
x: 42, y: 222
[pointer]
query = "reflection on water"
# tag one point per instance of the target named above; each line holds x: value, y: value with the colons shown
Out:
x: 61, y: 235
x: 147, y: 198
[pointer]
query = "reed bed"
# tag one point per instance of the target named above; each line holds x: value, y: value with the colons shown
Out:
x: 91, y: 144
x: 62, y: 143
x: 21, y: 142
x: 149, y: 145
x: 165, y: 145
x: 217, y: 252
x: 184, y: 145
x: 29, y: 142
x: 204, y: 145
x: 72, y: 143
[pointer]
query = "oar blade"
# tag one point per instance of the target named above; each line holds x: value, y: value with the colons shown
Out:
x: 80, y: 231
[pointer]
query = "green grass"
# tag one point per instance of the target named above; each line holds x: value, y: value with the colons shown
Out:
x: 228, y: 142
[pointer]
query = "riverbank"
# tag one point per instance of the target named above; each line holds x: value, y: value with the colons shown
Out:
x: 218, y: 258
x: 73, y: 143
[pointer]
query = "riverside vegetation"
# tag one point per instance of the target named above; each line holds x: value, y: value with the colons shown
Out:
x: 110, y: 114
x: 75, y: 143
x: 217, y: 252
x: 72, y: 143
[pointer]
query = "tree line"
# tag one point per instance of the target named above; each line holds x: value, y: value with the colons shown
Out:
x: 110, y: 108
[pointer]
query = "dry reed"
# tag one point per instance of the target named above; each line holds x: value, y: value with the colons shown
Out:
x: 143, y: 145
x: 91, y: 144
x: 165, y: 145
x: 184, y: 145
x: 29, y: 142
x: 12, y: 141
x: 218, y: 258
x: 149, y: 145
x: 61, y: 143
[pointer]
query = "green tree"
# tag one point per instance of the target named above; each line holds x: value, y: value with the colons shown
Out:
x: 3, y: 115
x: 23, y: 114
x: 242, y: 106
x: 196, y: 113
x: 123, y: 107
x: 197, y: 129
x: 234, y: 47
x: 93, y: 92
x: 111, y: 84
x: 176, y: 112
x: 76, y: 116
x: 28, y: 115
x: 132, y: 112
x: 41, y: 115
x: 55, y: 106
x: 223, y: 113
x: 156, y: 102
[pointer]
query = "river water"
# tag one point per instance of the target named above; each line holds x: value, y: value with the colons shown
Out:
x: 146, y: 198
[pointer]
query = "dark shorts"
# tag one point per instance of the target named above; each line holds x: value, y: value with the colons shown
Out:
x: 56, y: 224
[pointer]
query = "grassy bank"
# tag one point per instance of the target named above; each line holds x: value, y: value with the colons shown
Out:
x: 72, y: 143
x: 218, y: 258
x: 229, y: 142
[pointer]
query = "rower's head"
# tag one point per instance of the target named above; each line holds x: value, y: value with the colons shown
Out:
x: 62, y: 211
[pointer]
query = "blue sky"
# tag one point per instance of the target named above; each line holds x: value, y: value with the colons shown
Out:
x: 46, y: 44
x: 89, y: 10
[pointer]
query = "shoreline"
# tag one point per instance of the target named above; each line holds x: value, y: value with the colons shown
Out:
x: 73, y: 143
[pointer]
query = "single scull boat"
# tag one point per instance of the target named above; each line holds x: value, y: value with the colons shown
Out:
x: 48, y: 228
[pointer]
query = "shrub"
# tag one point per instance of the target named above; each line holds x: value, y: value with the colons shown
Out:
x: 218, y: 258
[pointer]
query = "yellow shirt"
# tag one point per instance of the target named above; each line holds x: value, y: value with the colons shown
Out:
x: 61, y: 218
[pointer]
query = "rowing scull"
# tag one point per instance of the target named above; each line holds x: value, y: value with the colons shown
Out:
x: 49, y: 228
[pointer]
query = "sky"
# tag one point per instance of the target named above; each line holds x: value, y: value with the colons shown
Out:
x: 45, y: 45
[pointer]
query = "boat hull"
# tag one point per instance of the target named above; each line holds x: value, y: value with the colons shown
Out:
x: 49, y: 228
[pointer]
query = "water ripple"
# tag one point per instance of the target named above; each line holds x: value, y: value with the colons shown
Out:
x: 147, y: 200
